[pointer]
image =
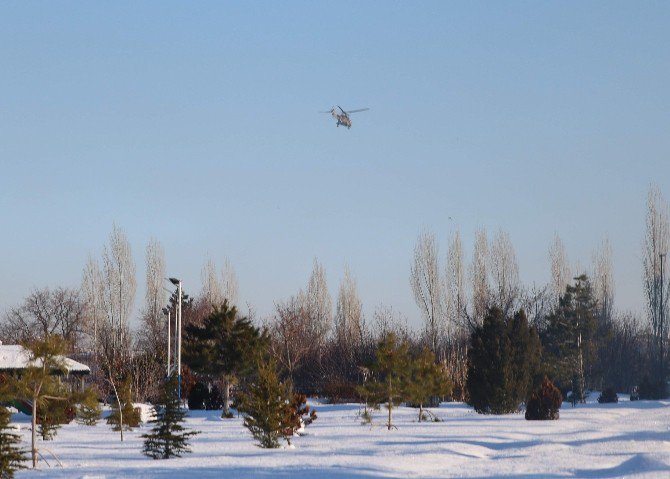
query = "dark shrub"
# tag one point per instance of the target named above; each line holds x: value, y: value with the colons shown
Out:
x: 197, y: 396
x: 214, y: 399
x: 608, y: 396
x: 544, y: 402
x: 503, y: 358
x: 652, y: 389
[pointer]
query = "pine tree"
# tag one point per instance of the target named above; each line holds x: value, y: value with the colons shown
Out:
x: 266, y: 407
x: 428, y: 380
x: 391, y: 373
x: 570, y: 337
x: 37, y: 383
x: 225, y: 347
x: 168, y: 438
x: 12, y: 456
x: 131, y: 416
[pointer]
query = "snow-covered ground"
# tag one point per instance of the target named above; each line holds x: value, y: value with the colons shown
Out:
x: 628, y: 439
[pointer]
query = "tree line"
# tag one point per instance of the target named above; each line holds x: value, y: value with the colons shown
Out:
x: 328, y: 349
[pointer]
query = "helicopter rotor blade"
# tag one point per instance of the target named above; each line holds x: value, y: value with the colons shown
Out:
x: 341, y: 109
x: 356, y: 111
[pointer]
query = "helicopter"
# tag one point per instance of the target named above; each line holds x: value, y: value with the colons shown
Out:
x: 343, y: 118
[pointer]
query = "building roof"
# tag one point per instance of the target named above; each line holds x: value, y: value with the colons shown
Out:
x: 14, y: 357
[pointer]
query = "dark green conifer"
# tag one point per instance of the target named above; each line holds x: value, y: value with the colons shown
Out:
x: 502, y: 360
x: 12, y: 456
x: 225, y: 346
x: 168, y: 438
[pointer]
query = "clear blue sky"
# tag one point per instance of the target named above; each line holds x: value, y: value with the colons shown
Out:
x: 196, y: 123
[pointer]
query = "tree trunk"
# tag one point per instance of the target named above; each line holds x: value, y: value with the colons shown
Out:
x: 226, y: 397
x: 420, y: 411
x: 34, y: 431
x: 390, y: 405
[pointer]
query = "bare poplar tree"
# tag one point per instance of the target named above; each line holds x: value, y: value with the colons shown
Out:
x: 504, y: 273
x: 119, y: 285
x: 654, y: 260
x: 349, y: 313
x: 316, y: 301
x: 152, y: 336
x: 93, y: 290
x: 603, y: 280
x: 212, y: 291
x: 455, y: 282
x: 479, y: 276
x: 560, y: 272
x: 229, y: 285
x: 291, y: 343
x: 428, y: 287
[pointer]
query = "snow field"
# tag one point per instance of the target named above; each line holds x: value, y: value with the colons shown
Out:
x: 628, y: 439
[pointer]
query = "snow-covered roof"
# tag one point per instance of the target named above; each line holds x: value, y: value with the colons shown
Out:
x: 14, y: 356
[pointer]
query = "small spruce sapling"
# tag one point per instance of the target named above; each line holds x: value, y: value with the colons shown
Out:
x: 428, y: 380
x: 168, y: 438
x: 266, y: 406
x: 89, y: 409
x: 131, y: 416
x: 12, y: 456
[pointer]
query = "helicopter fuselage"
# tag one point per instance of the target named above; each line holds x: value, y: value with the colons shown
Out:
x: 343, y: 120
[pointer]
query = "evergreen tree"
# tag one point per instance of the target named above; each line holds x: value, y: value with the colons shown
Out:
x: 266, y: 407
x: 225, y: 346
x: 89, y: 410
x: 168, y: 438
x: 502, y: 360
x: 570, y: 336
x: 37, y: 382
x: 428, y: 380
x: 131, y: 416
x: 544, y: 402
x: 12, y: 456
x: 391, y: 374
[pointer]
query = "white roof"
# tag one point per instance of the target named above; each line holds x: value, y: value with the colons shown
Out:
x: 14, y: 356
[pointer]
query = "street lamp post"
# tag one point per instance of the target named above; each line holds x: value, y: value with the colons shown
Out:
x: 166, y: 312
x: 177, y: 283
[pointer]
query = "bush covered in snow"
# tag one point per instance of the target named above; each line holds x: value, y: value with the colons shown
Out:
x: 544, y: 402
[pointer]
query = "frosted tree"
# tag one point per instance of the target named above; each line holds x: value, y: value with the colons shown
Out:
x: 120, y: 285
x: 316, y: 301
x: 603, y: 280
x: 455, y: 282
x: 229, y: 285
x: 654, y: 261
x: 428, y: 287
x: 504, y: 273
x: 291, y: 343
x: 479, y: 276
x: 560, y: 272
x: 153, y: 333
x: 155, y: 296
x: 92, y: 287
x: 349, y: 312
x: 212, y: 292
x: 349, y: 328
